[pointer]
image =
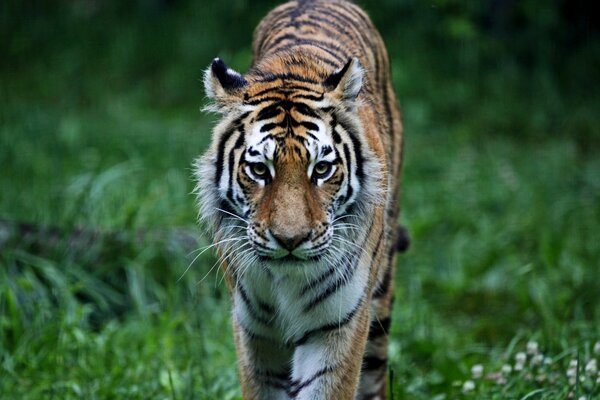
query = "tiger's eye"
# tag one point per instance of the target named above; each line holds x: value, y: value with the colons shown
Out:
x: 259, y: 169
x: 321, y: 169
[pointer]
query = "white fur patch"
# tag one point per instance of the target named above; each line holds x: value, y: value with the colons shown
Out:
x: 353, y: 80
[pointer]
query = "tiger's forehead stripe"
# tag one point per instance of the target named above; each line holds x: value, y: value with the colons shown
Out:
x: 222, y: 141
x: 284, y: 88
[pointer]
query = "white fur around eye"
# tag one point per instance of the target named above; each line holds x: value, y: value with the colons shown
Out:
x: 323, y: 179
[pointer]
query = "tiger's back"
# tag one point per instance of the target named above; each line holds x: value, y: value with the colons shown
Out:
x: 301, y: 185
x: 333, y: 32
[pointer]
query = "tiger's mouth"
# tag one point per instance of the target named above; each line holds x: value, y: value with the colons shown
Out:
x: 290, y: 258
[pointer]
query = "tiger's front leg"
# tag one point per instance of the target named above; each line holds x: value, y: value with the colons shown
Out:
x: 263, y: 365
x: 327, y: 364
x: 263, y: 356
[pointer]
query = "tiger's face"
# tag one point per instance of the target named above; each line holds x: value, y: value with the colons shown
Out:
x: 290, y: 181
x: 288, y: 171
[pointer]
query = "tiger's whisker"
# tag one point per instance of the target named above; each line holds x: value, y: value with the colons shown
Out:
x: 232, y: 214
x: 203, y: 251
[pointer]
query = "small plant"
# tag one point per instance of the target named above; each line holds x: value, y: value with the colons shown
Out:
x: 571, y: 374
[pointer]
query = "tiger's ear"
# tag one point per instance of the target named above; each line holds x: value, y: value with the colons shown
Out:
x: 223, y: 85
x: 345, y: 83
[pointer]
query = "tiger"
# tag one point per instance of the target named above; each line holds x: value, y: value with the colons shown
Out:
x: 300, y: 186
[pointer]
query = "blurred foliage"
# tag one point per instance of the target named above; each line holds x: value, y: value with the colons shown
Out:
x: 516, y: 66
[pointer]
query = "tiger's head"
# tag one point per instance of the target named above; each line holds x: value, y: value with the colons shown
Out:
x: 289, y: 176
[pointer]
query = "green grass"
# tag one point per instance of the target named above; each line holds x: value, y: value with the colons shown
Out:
x: 99, y: 128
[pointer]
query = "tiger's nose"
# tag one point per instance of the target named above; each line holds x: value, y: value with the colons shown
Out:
x: 290, y: 241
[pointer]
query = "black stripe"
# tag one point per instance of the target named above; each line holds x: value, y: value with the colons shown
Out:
x: 235, y: 125
x: 312, y: 136
x: 265, y: 91
x: 270, y: 77
x: 268, y: 127
x: 274, y: 110
x: 331, y: 326
x: 383, y: 286
x: 389, y: 267
x: 371, y: 362
x: 296, y: 386
x: 282, y: 376
x: 379, y: 328
x: 319, y: 247
x: 377, y: 245
x: 309, y: 97
x: 275, y: 384
x: 349, y: 190
x: 320, y: 279
x: 335, y: 58
x: 267, y: 137
x: 329, y: 47
x: 267, y: 308
x: 220, y: 155
x: 273, y: 16
x: 278, y: 39
x: 355, y: 35
x: 255, y: 336
x: 263, y: 100
x: 357, y: 152
x: 250, y: 307
x: 334, y: 63
x: 344, y: 20
x: 310, y: 125
x: 238, y: 143
x: 328, y: 33
x: 260, y: 245
x: 336, y: 136
x: 289, y: 88
x: 268, y: 112
x: 278, y: 380
x: 318, y: 236
x: 342, y: 281
x: 302, y: 109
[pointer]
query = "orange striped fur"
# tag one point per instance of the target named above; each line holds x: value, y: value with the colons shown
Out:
x: 301, y: 185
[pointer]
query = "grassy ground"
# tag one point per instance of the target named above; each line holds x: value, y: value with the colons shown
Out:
x: 100, y: 125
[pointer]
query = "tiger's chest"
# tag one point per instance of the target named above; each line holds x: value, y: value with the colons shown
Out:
x: 288, y: 308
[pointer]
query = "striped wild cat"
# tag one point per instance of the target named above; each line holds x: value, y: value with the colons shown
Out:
x: 301, y: 187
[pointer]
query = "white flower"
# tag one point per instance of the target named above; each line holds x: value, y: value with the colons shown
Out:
x: 537, y: 359
x: 541, y: 377
x: 468, y: 386
x: 597, y: 348
x: 506, y: 369
x: 573, y: 363
x: 477, y: 371
x: 520, y: 357
x: 532, y: 347
x: 591, y: 368
x: 547, y: 361
x: 572, y: 372
x: 582, y: 398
